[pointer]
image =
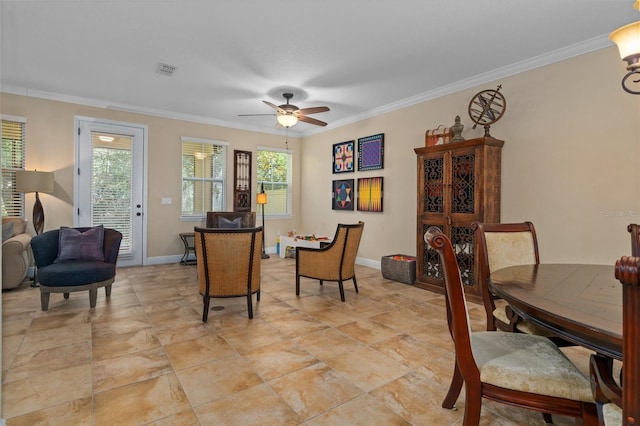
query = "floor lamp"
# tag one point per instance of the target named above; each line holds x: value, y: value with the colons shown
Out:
x: 261, y: 199
x: 34, y: 181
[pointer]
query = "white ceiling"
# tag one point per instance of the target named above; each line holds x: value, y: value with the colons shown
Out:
x: 358, y: 57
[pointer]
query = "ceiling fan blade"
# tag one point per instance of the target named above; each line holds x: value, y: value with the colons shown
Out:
x: 276, y: 107
x: 311, y: 120
x: 254, y: 115
x: 313, y: 110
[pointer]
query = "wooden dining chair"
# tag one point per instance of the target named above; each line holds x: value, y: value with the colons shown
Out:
x: 620, y: 405
x: 634, y: 230
x: 513, y: 368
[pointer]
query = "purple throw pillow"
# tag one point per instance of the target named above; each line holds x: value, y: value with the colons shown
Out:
x: 76, y: 245
x: 226, y: 223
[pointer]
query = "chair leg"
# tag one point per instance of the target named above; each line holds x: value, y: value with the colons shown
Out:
x: 66, y: 295
x: 321, y: 282
x: 107, y: 290
x: 205, y: 311
x: 44, y: 300
x: 250, y: 305
x: 547, y: 418
x: 454, y: 389
x: 258, y: 295
x: 93, y: 297
x: 297, y: 285
x: 341, y: 287
x: 472, y: 405
x: 355, y: 283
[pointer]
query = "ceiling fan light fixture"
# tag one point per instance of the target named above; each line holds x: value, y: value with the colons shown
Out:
x: 287, y: 120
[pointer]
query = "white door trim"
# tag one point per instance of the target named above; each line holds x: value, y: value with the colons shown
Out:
x: 145, y: 131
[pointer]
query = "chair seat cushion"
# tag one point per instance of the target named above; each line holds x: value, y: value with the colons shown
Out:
x: 528, y: 363
x: 612, y: 415
x: 75, y: 273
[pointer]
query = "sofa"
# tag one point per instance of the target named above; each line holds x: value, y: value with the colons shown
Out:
x: 15, y: 251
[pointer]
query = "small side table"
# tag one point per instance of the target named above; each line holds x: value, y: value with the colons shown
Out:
x: 189, y: 240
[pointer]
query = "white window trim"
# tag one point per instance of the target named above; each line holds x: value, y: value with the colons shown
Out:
x: 289, y: 178
x: 197, y: 218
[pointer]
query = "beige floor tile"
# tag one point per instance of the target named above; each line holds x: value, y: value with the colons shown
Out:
x: 181, y: 332
x: 49, y: 338
x: 36, y: 363
x: 77, y: 412
x: 254, y: 335
x: 258, y: 405
x: 279, y: 359
x: 364, y: 410
x: 367, y: 368
x: 368, y: 331
x: 414, y: 399
x: 296, y: 324
x: 217, y: 379
x: 114, y: 345
x: 141, y: 402
x: 184, y: 418
x: 335, y: 316
x: 144, y: 356
x: 111, y: 326
x: 198, y: 351
x: 325, y: 344
x: 130, y: 368
x: 45, y: 390
x: 314, y: 390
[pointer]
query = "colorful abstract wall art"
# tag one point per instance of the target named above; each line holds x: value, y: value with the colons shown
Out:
x: 343, y: 194
x: 371, y: 152
x: 343, y: 154
x: 370, y: 194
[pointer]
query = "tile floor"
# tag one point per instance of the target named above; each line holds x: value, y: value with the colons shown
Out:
x: 384, y: 357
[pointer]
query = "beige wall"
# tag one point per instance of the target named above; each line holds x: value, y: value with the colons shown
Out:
x: 50, y: 147
x: 570, y: 163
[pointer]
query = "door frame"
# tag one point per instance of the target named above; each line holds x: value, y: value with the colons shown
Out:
x: 143, y: 174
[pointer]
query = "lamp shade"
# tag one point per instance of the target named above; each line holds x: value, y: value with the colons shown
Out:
x: 287, y: 120
x: 34, y: 181
x: 628, y: 40
x: 261, y: 198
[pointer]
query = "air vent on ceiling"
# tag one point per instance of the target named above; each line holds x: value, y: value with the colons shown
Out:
x: 166, y: 69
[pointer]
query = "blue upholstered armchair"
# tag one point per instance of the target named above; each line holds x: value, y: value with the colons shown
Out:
x: 76, y: 259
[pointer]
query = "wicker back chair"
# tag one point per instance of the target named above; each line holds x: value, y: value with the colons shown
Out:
x: 231, y: 219
x: 333, y: 262
x: 228, y: 264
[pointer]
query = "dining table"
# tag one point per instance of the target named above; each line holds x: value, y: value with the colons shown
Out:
x: 581, y: 303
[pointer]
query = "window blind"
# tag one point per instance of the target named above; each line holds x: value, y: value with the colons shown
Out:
x: 204, y: 176
x: 13, y: 150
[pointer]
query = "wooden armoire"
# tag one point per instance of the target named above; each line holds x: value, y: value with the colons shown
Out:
x: 458, y: 184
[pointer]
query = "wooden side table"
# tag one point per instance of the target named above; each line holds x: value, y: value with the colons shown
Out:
x: 189, y: 241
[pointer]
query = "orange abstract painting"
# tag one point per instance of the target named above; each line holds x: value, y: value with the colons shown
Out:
x: 370, y: 194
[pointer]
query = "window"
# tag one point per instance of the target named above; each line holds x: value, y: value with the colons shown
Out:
x: 274, y: 171
x: 13, y: 147
x: 204, y: 175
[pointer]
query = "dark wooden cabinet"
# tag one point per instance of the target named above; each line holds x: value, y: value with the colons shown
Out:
x: 458, y: 183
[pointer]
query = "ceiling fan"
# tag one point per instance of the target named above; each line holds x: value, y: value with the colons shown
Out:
x: 289, y: 114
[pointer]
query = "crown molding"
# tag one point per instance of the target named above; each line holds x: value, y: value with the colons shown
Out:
x: 558, y: 55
